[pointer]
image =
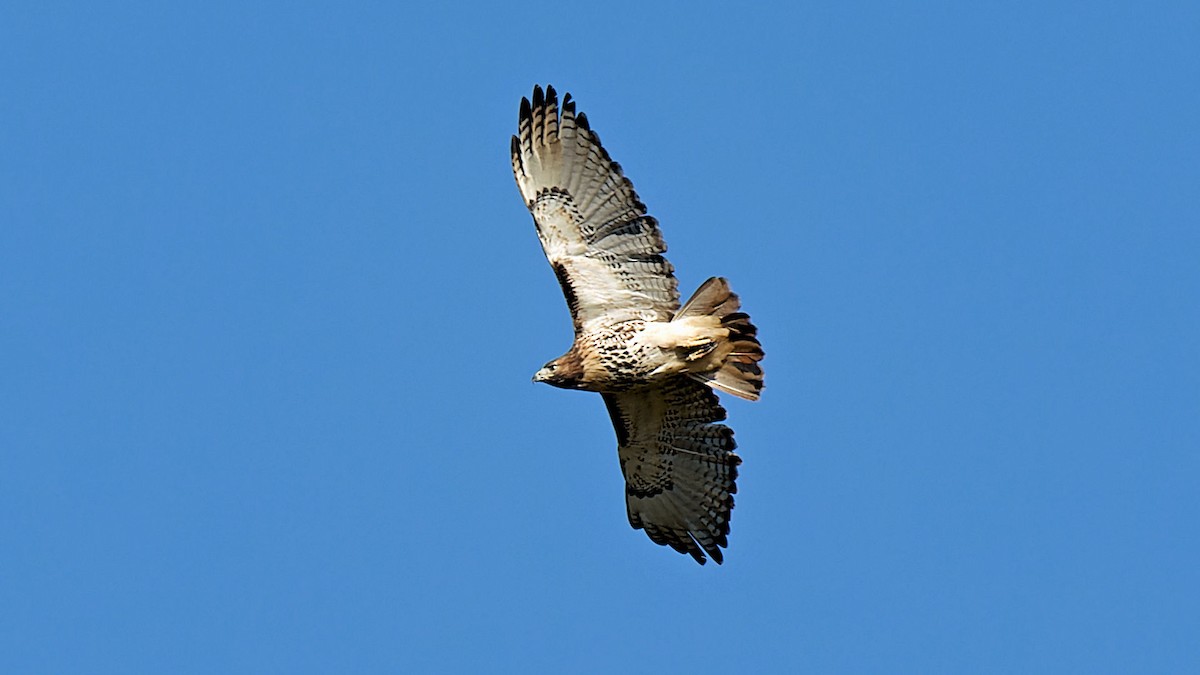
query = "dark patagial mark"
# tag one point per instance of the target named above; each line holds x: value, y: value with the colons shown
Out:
x: 564, y: 280
x: 620, y: 424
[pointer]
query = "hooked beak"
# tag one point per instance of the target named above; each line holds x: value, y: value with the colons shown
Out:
x: 541, y: 375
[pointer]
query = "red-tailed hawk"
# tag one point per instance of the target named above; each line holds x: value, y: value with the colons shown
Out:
x: 655, y: 363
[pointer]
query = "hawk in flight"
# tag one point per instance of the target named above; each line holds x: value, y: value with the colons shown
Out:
x: 654, y: 362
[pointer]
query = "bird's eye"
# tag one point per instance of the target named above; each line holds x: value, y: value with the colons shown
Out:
x: 551, y: 366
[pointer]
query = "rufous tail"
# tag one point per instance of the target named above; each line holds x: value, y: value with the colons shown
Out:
x: 739, y: 373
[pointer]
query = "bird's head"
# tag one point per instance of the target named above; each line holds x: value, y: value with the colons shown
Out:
x: 566, y: 372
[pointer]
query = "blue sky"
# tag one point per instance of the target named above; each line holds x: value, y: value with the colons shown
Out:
x: 271, y: 306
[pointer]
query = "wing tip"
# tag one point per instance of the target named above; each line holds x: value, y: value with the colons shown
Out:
x: 684, y: 542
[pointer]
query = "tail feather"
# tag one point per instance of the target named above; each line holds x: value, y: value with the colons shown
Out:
x: 739, y: 374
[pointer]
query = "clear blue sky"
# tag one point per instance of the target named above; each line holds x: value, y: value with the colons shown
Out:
x: 270, y: 306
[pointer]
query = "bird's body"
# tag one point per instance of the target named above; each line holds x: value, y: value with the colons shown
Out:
x: 638, y: 353
x: 654, y: 362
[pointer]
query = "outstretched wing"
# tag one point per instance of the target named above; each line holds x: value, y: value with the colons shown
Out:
x: 605, y: 250
x: 678, y: 463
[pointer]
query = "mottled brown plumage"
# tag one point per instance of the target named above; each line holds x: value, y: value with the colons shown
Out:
x: 655, y: 363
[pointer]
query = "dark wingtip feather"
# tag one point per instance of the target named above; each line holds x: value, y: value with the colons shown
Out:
x: 526, y: 109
